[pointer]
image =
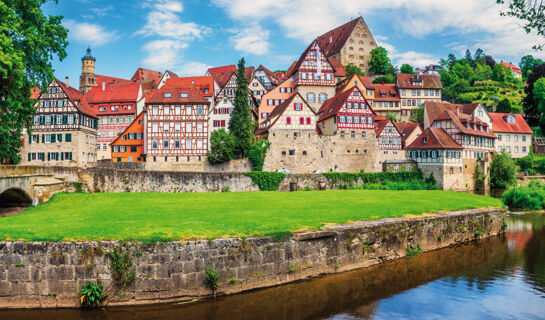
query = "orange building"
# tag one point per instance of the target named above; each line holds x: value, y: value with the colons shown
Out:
x: 275, y: 97
x: 129, y: 145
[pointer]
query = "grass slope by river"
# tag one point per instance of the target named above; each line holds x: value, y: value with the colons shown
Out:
x: 176, y: 216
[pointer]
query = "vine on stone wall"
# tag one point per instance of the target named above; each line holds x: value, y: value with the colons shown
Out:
x: 266, y: 180
x: 372, y: 177
x: 257, y: 153
x: 121, y: 262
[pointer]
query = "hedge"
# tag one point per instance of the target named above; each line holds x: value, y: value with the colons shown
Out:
x: 372, y: 177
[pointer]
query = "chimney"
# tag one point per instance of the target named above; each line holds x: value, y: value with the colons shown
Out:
x: 458, y: 111
x: 103, y: 86
x: 330, y: 39
x: 66, y: 81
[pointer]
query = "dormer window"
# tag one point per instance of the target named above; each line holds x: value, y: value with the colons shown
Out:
x: 167, y: 95
x: 425, y: 140
x: 510, y: 118
x: 183, y: 95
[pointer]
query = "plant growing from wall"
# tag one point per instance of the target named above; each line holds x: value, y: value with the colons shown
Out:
x: 91, y: 293
x: 413, y: 251
x: 479, y: 177
x: 266, y: 180
x: 212, y: 278
x: 257, y: 153
x: 431, y: 179
x: 121, y: 263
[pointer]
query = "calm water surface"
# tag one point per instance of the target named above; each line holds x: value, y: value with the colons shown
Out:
x: 498, y: 278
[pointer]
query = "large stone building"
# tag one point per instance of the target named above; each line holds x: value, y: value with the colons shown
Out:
x: 64, y: 129
x: 514, y: 134
x: 350, y: 43
x: 415, y: 90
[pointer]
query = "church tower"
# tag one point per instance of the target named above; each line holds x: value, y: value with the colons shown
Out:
x: 87, y: 78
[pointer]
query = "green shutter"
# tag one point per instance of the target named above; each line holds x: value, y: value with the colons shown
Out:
x: 43, y: 156
x: 48, y: 156
x: 29, y: 156
x: 70, y: 154
x: 59, y: 137
x: 53, y: 140
x: 64, y: 119
x: 68, y: 137
x: 43, y: 138
x: 29, y: 139
x: 62, y: 155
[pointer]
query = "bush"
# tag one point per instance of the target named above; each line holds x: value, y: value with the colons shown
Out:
x: 431, y: 179
x: 222, y: 145
x: 212, y: 278
x: 121, y: 262
x: 266, y: 180
x: 350, y: 178
x: 257, y: 153
x: 502, y: 171
x: 78, y: 186
x: 531, y: 197
x: 91, y: 293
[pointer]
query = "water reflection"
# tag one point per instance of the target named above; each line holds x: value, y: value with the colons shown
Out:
x: 502, y: 277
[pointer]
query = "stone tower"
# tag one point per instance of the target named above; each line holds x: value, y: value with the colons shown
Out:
x: 87, y: 78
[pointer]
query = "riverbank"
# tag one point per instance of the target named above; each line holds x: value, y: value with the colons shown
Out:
x: 50, y: 274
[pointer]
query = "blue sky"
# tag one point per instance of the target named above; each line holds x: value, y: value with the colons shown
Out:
x: 188, y: 36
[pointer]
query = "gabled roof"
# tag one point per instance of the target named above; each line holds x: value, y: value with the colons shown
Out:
x: 222, y: 74
x: 331, y: 106
x: 100, y: 78
x: 406, y: 128
x: 123, y: 92
x: 461, y: 120
x: 35, y: 93
x: 387, y: 89
x: 340, y: 71
x: 366, y: 81
x: 429, y: 81
x: 500, y: 124
x: 193, y: 95
x: 434, y: 138
x: 272, y: 76
x: 201, y: 83
x: 77, y: 99
x: 279, y: 110
x: 381, y: 122
x: 290, y: 70
x: 139, y: 117
x: 332, y: 41
x: 434, y: 109
x: 171, y: 74
x: 511, y: 66
x: 299, y: 62
x: 147, y: 74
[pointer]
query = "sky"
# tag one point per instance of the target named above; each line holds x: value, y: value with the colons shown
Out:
x: 188, y: 36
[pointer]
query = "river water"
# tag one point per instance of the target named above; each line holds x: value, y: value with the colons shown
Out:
x: 498, y: 278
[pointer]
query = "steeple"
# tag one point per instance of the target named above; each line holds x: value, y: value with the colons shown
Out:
x: 87, y: 78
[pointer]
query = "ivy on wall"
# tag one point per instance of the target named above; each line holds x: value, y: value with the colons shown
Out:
x: 350, y: 178
x: 266, y: 180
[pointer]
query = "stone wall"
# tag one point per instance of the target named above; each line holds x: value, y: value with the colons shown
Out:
x: 43, y: 275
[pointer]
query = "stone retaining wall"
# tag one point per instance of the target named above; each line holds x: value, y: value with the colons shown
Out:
x: 48, y: 275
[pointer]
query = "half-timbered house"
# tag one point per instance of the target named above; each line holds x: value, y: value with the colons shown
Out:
x: 129, y: 145
x: 366, y: 86
x: 268, y: 78
x: 389, y: 141
x: 220, y: 115
x: 64, y: 129
x: 176, y: 125
x: 386, y: 100
x: 274, y: 98
x: 229, y: 90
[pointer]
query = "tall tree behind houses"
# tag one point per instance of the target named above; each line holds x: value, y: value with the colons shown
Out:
x: 28, y: 42
x: 241, y: 125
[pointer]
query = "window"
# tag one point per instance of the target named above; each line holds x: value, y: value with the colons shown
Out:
x: 68, y: 137
x: 188, y: 144
x: 166, y: 127
x: 199, y: 144
x: 188, y: 110
x: 188, y: 127
x: 154, y: 127
x: 183, y: 95
x: 524, y: 149
x: 516, y: 138
x: 167, y: 95
x: 199, y: 110
x: 154, y: 144
x: 177, y: 110
x: 301, y: 120
x: 177, y: 127
x: 516, y: 149
x: 199, y: 127
x: 176, y: 144
x: 166, y: 110
x: 298, y: 106
x: 308, y: 120
x: 322, y: 97
x: 311, y: 97
x: 165, y: 144
x: 507, y: 138
x: 499, y: 137
x: 155, y: 111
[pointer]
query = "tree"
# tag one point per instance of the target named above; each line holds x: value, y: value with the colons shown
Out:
x: 241, y: 125
x: 498, y: 73
x: 502, y: 171
x: 527, y: 63
x: 386, y: 79
x: 469, y: 58
x: 479, y: 56
x: 257, y: 153
x: 451, y: 61
x: 222, y: 145
x: 504, y: 106
x: 28, y: 42
x: 529, y: 104
x: 406, y: 68
x: 447, y: 78
x: 417, y: 114
x: 490, y: 61
x: 531, y: 12
x: 391, y: 116
x: 379, y: 62
x: 539, y: 97
x: 462, y: 70
x: 352, y: 70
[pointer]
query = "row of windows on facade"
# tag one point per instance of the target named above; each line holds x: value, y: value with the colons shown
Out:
x: 223, y: 110
x: 65, y: 119
x: 177, y: 158
x: 177, y: 144
x: 313, y: 64
x: 219, y: 123
x: 352, y: 135
x: 176, y: 126
x: 315, y: 76
x: 447, y: 124
x: 391, y: 104
x: 508, y: 138
x: 52, y: 103
x: 106, y: 120
x: 477, y: 141
x: 258, y: 93
x: 52, y: 138
x: 124, y: 148
x: 389, y: 141
x: 183, y: 94
x: 115, y: 108
x: 360, y: 49
x: 515, y: 149
x: 356, y: 105
x: 177, y: 110
x: 355, y: 119
x: 417, y: 92
x: 435, y: 154
x: 301, y: 120
x: 41, y: 156
x: 351, y: 56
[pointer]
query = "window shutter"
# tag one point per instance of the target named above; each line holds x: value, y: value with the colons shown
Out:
x: 301, y: 120
x: 295, y: 106
x: 48, y: 156
x: 29, y: 156
x: 59, y: 137
x: 308, y: 120
x: 43, y: 138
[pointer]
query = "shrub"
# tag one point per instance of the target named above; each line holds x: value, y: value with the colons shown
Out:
x: 121, y: 262
x: 531, y: 197
x: 78, y: 186
x: 413, y: 251
x: 266, y: 180
x: 431, y: 179
x: 222, y: 145
x: 502, y: 171
x: 91, y: 293
x: 212, y: 278
x: 257, y: 153
x: 226, y: 189
x: 350, y: 178
x: 526, y: 164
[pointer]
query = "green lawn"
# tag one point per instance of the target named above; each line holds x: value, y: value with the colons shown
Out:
x: 176, y: 216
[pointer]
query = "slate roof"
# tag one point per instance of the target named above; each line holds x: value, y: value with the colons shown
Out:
x: 500, y: 124
x: 338, y: 37
x: 429, y: 81
x: 434, y: 138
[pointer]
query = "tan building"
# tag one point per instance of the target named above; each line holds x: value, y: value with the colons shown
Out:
x: 514, y: 134
x: 409, y: 132
x: 415, y: 90
x: 386, y: 100
x: 350, y: 43
x: 365, y: 85
x: 274, y: 98
x: 64, y: 129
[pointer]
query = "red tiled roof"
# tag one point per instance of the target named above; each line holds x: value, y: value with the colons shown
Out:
x: 331, y: 106
x: 35, y: 93
x: 222, y: 74
x: 500, y: 124
x: 100, y: 78
x: 278, y: 111
x: 124, y: 92
x: 434, y: 109
x: 249, y: 73
x: 139, y: 117
x: 381, y: 122
x: 290, y: 69
x: 435, y: 138
x: 338, y: 37
x: 222, y: 69
x: 461, y: 119
x: 272, y: 76
x: 171, y: 74
x: 340, y: 71
x: 147, y: 74
x: 201, y: 83
x: 511, y: 66
x: 406, y: 128
x: 388, y: 89
x: 429, y: 81
x: 77, y: 99
x: 366, y: 81
x: 193, y: 95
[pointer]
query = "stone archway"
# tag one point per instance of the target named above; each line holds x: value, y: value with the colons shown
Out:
x: 15, y: 197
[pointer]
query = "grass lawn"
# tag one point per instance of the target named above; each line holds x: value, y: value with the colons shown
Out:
x: 177, y: 216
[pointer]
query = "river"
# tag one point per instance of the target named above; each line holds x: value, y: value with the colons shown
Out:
x: 498, y: 278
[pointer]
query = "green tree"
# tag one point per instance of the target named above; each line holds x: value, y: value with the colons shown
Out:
x: 447, y: 78
x: 379, y: 62
x: 530, y: 12
x: 386, y: 79
x: 352, y: 69
x: 529, y: 103
x: 462, y: 70
x: 502, y: 171
x: 417, y: 114
x: 504, y: 106
x: 391, y: 116
x: 406, y: 68
x: 222, y: 145
x: 257, y: 153
x: 479, y: 56
x: 498, y: 73
x: 527, y: 63
x: 28, y: 42
x: 241, y: 125
x: 539, y: 96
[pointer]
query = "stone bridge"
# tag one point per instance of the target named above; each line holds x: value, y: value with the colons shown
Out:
x: 24, y: 190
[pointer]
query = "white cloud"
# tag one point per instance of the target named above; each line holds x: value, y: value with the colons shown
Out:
x: 163, y: 54
x: 192, y: 69
x: 100, y: 12
x: 252, y: 39
x: 416, y: 59
x: 94, y: 34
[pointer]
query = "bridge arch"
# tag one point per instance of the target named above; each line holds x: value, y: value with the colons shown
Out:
x: 15, y: 197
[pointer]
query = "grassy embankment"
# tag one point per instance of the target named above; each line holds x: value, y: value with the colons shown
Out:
x: 177, y: 216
